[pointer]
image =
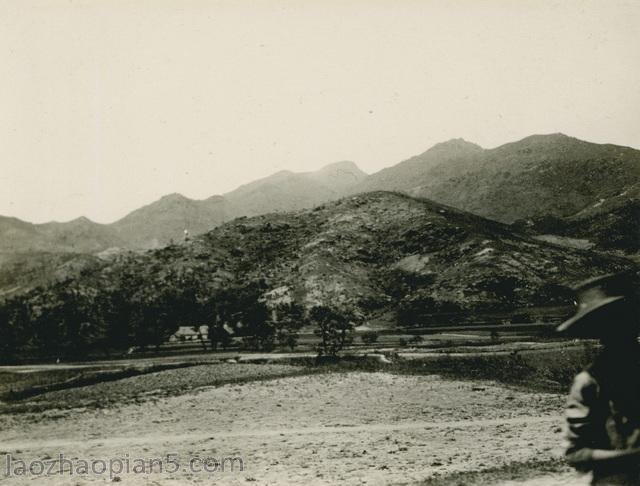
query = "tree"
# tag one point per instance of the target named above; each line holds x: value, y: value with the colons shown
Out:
x: 14, y: 328
x: 259, y: 330
x: 63, y: 320
x: 116, y: 310
x: 154, y: 317
x: 82, y: 322
x: 289, y: 319
x: 335, y: 329
x: 242, y: 309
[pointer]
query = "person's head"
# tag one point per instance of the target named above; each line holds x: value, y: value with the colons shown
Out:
x: 619, y: 332
x: 606, y: 309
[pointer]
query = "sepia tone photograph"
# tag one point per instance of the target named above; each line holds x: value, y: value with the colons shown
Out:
x: 304, y: 242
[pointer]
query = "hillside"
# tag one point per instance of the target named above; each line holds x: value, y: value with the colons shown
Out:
x: 617, y: 229
x: 439, y: 163
x: 22, y: 272
x: 80, y: 235
x: 384, y: 256
x: 16, y: 234
x: 290, y: 191
x: 559, y: 184
x: 164, y: 221
x: 540, y: 175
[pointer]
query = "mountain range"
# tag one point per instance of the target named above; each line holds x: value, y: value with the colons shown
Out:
x: 543, y: 184
x: 538, y: 176
x: 551, y: 187
x: 166, y: 219
x: 384, y: 256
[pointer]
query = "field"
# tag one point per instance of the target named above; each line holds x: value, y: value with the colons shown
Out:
x: 462, y: 417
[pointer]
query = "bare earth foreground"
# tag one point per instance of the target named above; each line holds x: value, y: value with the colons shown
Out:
x: 341, y: 428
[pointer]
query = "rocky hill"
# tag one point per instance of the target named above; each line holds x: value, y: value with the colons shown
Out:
x: 384, y: 256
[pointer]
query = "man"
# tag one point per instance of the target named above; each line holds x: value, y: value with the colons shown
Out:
x: 603, y: 409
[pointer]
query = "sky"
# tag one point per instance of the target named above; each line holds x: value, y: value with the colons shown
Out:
x: 107, y: 105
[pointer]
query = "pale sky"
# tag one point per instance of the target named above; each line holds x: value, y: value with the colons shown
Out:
x: 106, y: 105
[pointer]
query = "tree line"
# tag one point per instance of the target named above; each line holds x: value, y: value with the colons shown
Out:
x: 69, y: 320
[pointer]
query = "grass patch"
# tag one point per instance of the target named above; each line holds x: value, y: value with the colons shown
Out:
x: 11, y: 382
x: 52, y: 382
x: 545, y: 370
x: 151, y: 386
x: 517, y: 471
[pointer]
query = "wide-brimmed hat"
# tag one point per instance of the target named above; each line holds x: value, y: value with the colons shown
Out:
x: 597, y: 300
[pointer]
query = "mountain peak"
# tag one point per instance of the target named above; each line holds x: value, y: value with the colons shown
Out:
x: 547, y: 137
x: 215, y: 199
x: 343, y: 164
x: 456, y: 144
x: 558, y: 135
x: 81, y: 220
x: 339, y: 175
x: 545, y: 143
x: 342, y: 167
x: 174, y: 196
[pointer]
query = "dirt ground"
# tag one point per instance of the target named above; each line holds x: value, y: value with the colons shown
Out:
x: 341, y: 428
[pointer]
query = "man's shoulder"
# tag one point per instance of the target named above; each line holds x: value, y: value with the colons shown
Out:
x: 585, y: 385
x: 585, y: 377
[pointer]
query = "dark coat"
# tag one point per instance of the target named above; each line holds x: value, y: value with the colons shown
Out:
x: 603, y: 412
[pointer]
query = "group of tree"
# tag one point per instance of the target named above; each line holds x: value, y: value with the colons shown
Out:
x: 71, y: 321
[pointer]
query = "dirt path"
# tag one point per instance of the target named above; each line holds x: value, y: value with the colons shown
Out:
x: 347, y: 429
x: 356, y: 428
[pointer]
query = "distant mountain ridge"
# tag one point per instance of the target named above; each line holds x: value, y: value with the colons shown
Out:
x: 290, y: 191
x: 165, y: 220
x: 539, y: 176
x: 80, y: 235
x: 443, y: 159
